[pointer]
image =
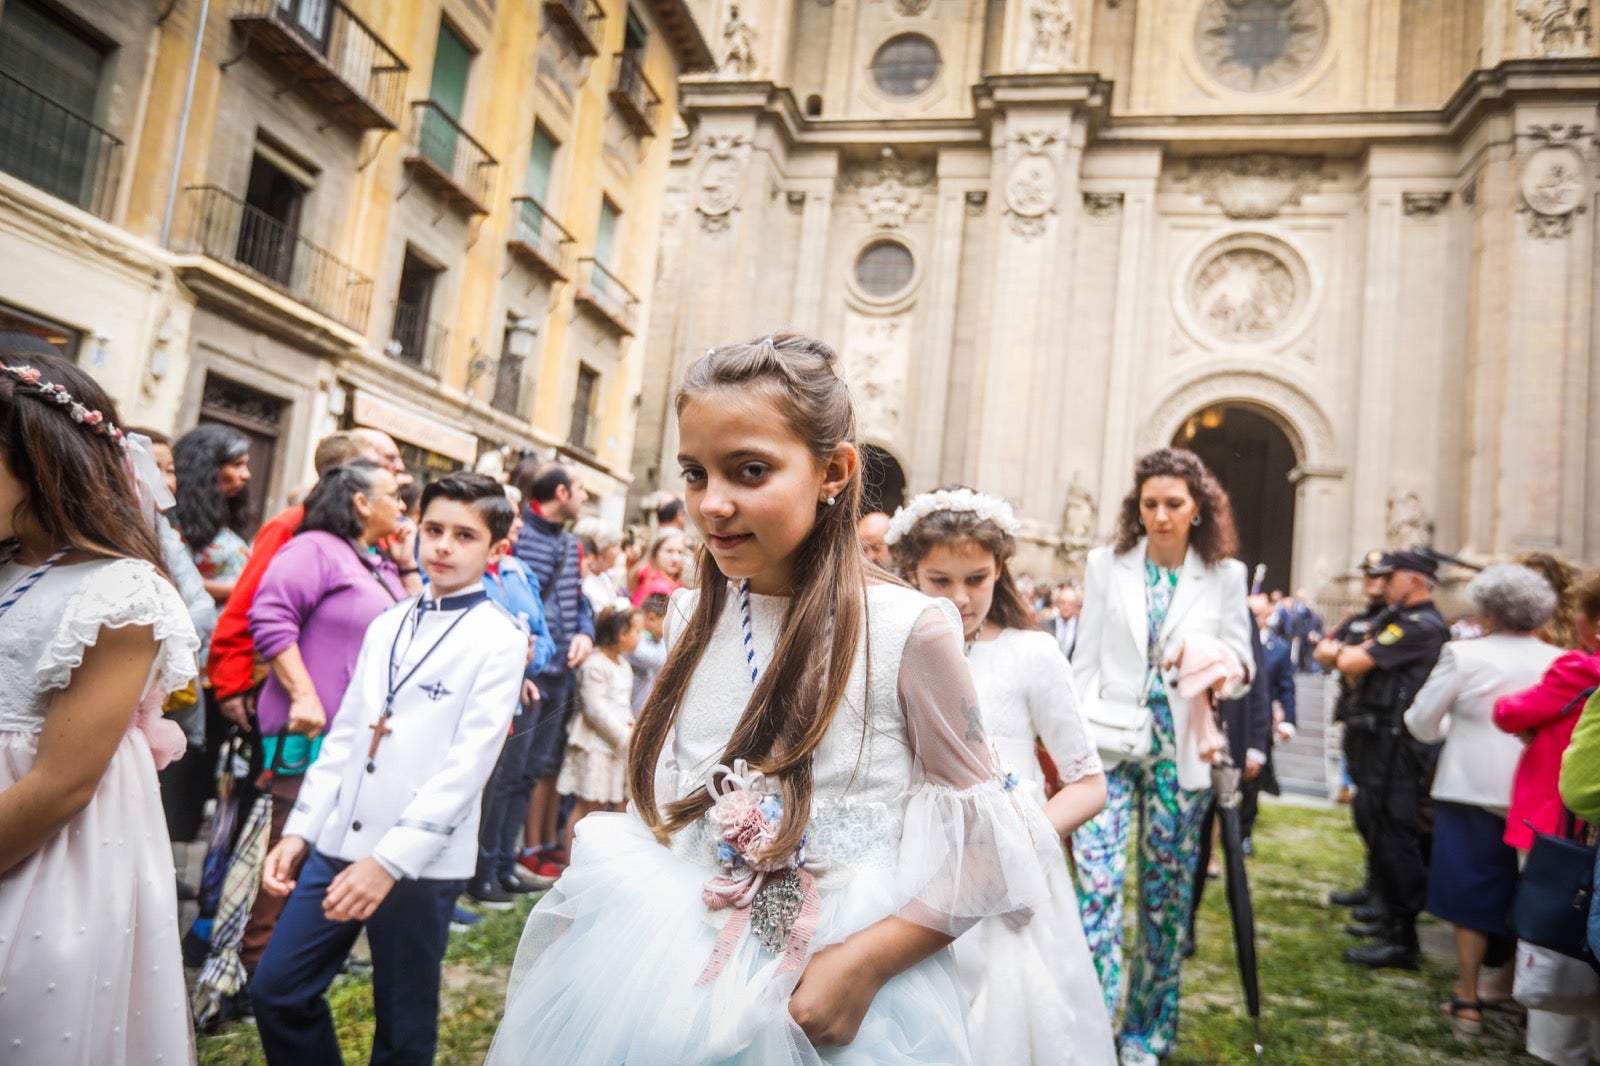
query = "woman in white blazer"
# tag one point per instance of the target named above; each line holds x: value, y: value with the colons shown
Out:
x: 1168, y: 577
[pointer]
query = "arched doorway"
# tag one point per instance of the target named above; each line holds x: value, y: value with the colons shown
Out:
x: 883, y: 481
x: 1252, y: 457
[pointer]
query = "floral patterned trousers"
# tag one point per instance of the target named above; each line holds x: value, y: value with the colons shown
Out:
x: 1169, y: 836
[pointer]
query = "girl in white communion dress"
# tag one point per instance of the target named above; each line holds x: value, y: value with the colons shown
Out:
x: 1035, y: 995
x: 816, y: 811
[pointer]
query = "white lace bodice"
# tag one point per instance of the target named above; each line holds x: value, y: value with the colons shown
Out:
x: 863, y: 771
x: 1025, y: 688
x: 43, y: 636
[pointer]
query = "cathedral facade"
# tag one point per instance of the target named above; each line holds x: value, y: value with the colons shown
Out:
x: 1345, y: 249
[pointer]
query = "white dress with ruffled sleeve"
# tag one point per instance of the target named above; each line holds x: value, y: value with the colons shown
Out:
x: 909, y: 818
x: 90, y: 971
x: 1035, y: 995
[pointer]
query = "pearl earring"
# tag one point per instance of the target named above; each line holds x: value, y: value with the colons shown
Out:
x: 828, y: 500
x: 1195, y: 521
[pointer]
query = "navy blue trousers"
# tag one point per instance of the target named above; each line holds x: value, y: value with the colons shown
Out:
x: 407, y: 934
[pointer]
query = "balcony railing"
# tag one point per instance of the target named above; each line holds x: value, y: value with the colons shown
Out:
x: 539, y: 240
x: 636, y: 101
x: 604, y: 292
x: 416, y: 341
x: 579, y: 21
x: 331, y: 52
x: 513, y: 386
x: 447, y: 159
x: 57, y: 150
x: 227, y: 229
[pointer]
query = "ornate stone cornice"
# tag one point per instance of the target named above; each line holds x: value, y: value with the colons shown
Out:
x: 1254, y: 186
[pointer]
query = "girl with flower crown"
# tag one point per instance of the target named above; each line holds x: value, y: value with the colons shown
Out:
x: 816, y: 811
x: 94, y: 639
x: 1035, y: 996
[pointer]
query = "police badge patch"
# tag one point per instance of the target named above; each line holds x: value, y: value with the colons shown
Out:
x: 1391, y: 635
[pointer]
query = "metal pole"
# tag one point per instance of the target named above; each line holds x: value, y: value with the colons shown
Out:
x: 183, y: 126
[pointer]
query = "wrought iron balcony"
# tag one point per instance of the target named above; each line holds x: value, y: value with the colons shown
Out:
x: 227, y: 229
x: 416, y: 341
x: 57, y: 150
x: 331, y: 52
x: 513, y: 386
x: 539, y: 240
x: 579, y: 21
x: 604, y: 293
x: 445, y: 158
x: 635, y: 100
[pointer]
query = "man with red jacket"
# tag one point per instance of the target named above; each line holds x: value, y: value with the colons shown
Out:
x: 231, y: 668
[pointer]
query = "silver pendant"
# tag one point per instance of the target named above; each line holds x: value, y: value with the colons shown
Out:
x: 775, y: 910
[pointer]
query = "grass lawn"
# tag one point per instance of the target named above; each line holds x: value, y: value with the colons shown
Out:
x: 1317, y: 1009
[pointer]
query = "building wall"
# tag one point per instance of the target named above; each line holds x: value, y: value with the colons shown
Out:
x: 1384, y: 242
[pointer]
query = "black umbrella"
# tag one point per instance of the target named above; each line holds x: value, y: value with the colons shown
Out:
x: 1225, y: 779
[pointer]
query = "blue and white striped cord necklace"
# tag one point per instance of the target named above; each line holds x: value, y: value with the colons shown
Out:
x: 30, y: 579
x: 749, y: 632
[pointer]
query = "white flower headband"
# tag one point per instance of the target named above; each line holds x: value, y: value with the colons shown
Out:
x: 986, y: 508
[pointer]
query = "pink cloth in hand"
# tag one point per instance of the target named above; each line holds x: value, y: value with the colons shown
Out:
x: 1205, y: 666
x: 166, y: 739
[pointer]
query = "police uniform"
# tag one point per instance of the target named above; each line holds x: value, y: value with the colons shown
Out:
x: 1360, y: 733
x: 399, y: 779
x: 1404, y: 647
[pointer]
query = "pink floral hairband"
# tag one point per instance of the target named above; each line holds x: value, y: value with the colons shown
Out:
x: 51, y: 392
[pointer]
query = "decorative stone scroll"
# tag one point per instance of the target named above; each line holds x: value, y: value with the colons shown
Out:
x: 1424, y: 204
x: 1256, y: 186
x: 1102, y: 205
x: 889, y: 192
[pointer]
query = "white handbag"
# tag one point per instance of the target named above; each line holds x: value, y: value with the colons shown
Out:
x: 1122, y: 729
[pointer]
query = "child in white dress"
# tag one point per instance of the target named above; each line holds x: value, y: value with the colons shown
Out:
x: 594, y: 768
x: 1035, y: 995
x: 94, y: 639
x: 796, y: 911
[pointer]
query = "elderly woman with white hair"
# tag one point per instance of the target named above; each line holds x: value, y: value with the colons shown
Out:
x: 1473, y: 871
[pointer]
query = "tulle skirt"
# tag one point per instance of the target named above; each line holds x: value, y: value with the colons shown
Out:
x: 90, y: 972
x: 608, y: 967
x: 1034, y: 993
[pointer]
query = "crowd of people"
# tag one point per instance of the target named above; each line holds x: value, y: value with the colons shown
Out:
x: 794, y: 784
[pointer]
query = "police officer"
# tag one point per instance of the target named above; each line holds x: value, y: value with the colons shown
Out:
x: 1391, y: 665
x: 1360, y: 733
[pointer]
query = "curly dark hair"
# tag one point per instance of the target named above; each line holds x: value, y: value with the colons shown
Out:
x: 202, y: 511
x: 1214, y: 538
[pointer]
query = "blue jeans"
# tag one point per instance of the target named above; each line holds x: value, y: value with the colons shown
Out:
x: 407, y: 933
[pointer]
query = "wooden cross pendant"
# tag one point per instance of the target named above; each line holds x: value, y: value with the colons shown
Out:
x: 379, y: 731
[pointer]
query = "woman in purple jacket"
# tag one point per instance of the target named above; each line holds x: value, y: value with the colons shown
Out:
x: 316, y: 600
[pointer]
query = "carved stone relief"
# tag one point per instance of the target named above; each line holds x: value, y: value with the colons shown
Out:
x: 1033, y: 185
x: 1258, y: 46
x: 716, y: 189
x: 889, y: 192
x: 738, y: 58
x: 1554, y: 181
x: 876, y: 355
x: 977, y: 202
x: 1408, y: 524
x: 1077, y: 524
x: 1102, y: 205
x: 1050, y: 41
x: 911, y: 8
x: 1244, y: 293
x: 1256, y: 186
x: 1424, y: 204
x: 1555, y: 27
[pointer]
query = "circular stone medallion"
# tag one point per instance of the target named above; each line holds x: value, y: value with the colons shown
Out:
x: 1554, y: 180
x: 1248, y: 289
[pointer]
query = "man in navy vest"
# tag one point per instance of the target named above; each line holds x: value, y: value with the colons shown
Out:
x: 555, y: 497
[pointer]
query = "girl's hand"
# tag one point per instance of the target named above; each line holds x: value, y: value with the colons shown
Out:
x: 283, y: 863
x: 833, y: 995
x: 306, y: 716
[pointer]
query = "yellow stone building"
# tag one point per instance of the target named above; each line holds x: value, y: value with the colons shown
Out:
x: 437, y: 218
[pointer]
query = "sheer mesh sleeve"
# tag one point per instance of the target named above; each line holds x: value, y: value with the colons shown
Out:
x: 971, y: 848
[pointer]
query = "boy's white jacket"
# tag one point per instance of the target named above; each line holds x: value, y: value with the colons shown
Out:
x: 416, y: 808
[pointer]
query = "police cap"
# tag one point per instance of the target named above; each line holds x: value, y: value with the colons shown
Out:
x: 1419, y: 562
x: 1376, y: 564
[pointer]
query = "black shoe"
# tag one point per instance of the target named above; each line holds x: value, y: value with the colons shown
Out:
x: 515, y: 886
x: 1370, y: 912
x: 1247, y: 848
x: 1186, y: 949
x: 1368, y: 930
x: 1383, y: 955
x: 241, y: 1004
x: 1350, y: 897
x: 490, y: 896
